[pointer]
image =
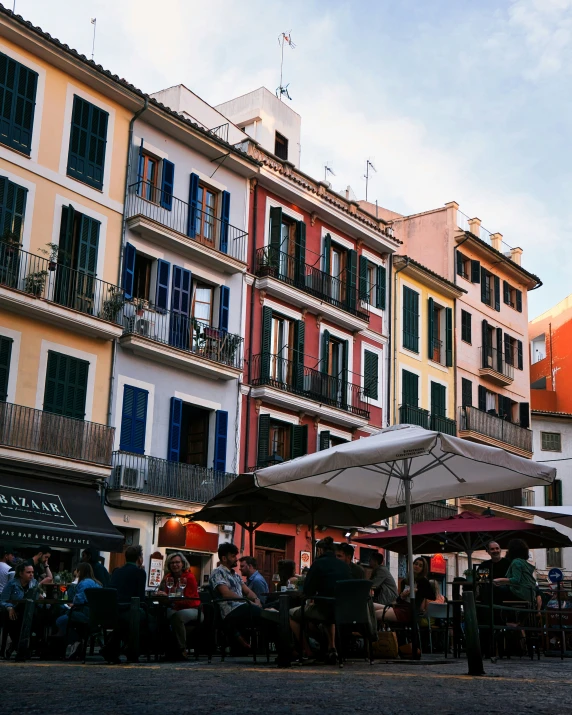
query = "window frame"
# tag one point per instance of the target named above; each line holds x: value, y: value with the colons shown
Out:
x: 281, y: 141
x: 543, y: 448
x: 201, y: 213
x: 17, y: 96
x: 139, y: 258
x: 466, y: 326
x: 211, y: 288
x: 151, y: 188
x: 466, y: 263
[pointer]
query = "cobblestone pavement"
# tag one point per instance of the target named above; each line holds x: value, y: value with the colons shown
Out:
x: 239, y: 687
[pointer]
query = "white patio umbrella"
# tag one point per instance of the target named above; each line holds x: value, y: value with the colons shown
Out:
x: 559, y: 514
x: 407, y: 465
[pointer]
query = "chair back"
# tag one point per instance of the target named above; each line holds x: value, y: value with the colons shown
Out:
x: 352, y: 599
x: 103, y: 607
x: 437, y: 610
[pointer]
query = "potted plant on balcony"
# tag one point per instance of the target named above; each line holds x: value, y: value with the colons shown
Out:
x: 35, y: 282
x: 140, y: 305
x: 113, y: 304
x: 52, y: 252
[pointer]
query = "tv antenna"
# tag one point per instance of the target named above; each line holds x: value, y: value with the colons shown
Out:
x: 284, y: 38
x: 368, y: 165
x: 328, y: 170
x: 94, y: 23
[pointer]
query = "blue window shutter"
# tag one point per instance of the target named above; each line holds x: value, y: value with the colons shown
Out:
x: 221, y: 429
x: 224, y: 308
x: 225, y: 217
x: 180, y: 306
x: 167, y: 184
x: 133, y: 420
x: 162, y: 291
x: 193, y: 205
x: 129, y: 270
x: 174, y: 448
x: 5, y: 355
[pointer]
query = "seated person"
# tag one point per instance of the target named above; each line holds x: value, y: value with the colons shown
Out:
x: 321, y: 580
x: 226, y: 584
x: 384, y: 586
x: 519, y: 583
x: 181, y: 612
x: 22, y: 586
x: 100, y: 573
x: 39, y: 561
x: 400, y: 612
x: 345, y: 552
x: 79, y: 612
x: 254, y: 579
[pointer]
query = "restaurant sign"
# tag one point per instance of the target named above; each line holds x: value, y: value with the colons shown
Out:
x: 438, y: 564
x: 35, y: 506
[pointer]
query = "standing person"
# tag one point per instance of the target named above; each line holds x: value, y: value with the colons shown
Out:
x: 519, y: 583
x: 400, y: 612
x: 15, y: 591
x: 39, y: 561
x: 181, y: 612
x: 345, y: 552
x: 6, y: 565
x: 101, y: 574
x: 254, y: 579
x: 384, y: 586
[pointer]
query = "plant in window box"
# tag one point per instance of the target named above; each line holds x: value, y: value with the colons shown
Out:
x: 112, y: 305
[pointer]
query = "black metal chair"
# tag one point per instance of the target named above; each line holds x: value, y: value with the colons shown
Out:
x: 103, y: 615
x: 353, y: 613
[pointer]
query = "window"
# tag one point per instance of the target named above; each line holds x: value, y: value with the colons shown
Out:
x: 142, y: 276
x: 340, y: 266
x: 203, y: 303
x: 551, y: 441
x: 463, y: 265
x: 508, y: 294
x: 438, y: 400
x: 466, y: 326
x: 66, y: 385
x: 513, y: 354
x: 88, y: 137
x: 12, y: 211
x: 148, y: 177
x: 372, y: 283
x: 371, y: 375
x: 490, y: 289
x: 287, y: 249
x: 133, y: 420
x: 279, y: 441
x: 553, y: 493
x: 281, y: 146
x: 5, y: 357
x: 466, y: 392
x: 205, y: 215
x: 410, y: 319
x: 435, y: 332
x: 18, y: 86
x: 554, y: 558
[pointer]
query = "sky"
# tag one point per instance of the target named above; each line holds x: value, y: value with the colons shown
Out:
x: 451, y: 100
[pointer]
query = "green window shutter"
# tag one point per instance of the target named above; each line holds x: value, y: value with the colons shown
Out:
x: 325, y: 351
x: 324, y: 440
x: 380, y: 288
x: 327, y: 252
x: 506, y: 292
x: 519, y: 355
x: 351, y: 273
x: 300, y: 266
x: 466, y: 392
x: 409, y: 389
x: 438, y: 400
x: 5, y: 356
x: 65, y: 245
x: 299, y: 440
x: 518, y: 300
x: 482, y: 396
x: 66, y: 385
x: 371, y: 375
x: 485, y: 344
x: 500, y: 354
x: 12, y: 210
x: 466, y: 331
x: 263, y: 440
x: 547, y: 497
x: 363, y: 293
x: 475, y: 271
x: 430, y: 326
x: 299, y: 332
x: 88, y: 138
x: 558, y: 492
x: 449, y: 337
x: 275, y: 235
x: 460, y: 263
x: 345, y: 355
x: 496, y: 281
x: 410, y: 319
x: 484, y: 297
x: 18, y: 86
x: 265, y: 343
x: 88, y: 245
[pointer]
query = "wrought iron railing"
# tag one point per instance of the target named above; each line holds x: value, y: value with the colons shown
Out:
x: 311, y: 383
x: 44, y: 432
x: 474, y: 420
x: 55, y: 282
x: 409, y: 415
x: 443, y: 424
x: 495, y: 359
x: 426, y: 512
x: 161, y: 478
x: 145, y: 199
x: 221, y: 131
x: 332, y: 290
x: 182, y: 332
x: 437, y: 351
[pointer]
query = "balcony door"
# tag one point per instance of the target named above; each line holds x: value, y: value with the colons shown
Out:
x: 205, y: 218
x: 282, y: 340
x: 335, y: 368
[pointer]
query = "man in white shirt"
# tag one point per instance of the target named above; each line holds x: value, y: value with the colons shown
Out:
x: 6, y: 565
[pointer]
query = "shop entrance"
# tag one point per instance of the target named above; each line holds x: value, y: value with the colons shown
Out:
x: 117, y: 559
x: 269, y: 550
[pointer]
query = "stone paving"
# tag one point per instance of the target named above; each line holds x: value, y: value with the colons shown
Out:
x: 239, y: 686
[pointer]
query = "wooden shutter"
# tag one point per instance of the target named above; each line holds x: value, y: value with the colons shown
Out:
x: 65, y: 246
x: 345, y: 373
x: 351, y: 272
x: 265, y: 343
x: 12, y: 210
x: 275, y: 235
x: 485, y: 345
x: 88, y: 245
x: 520, y: 360
x: 475, y: 271
x: 162, y: 289
x: 221, y: 430
x: 380, y: 288
x: 363, y: 294
x: 18, y: 85
x: 325, y: 358
x: 224, y: 308
x: 133, y: 420
x: 180, y: 306
x: 88, y: 138
x: 482, y: 392
x: 499, y: 351
x: 299, y: 334
x: 524, y: 414
x: 299, y: 440
x: 327, y: 253
x: 496, y: 281
x: 167, y: 184
x: 409, y: 389
x: 484, y: 274
x: 466, y: 392
x: 508, y: 356
x: 324, y: 442
x: 430, y: 326
x: 193, y: 205
x: 263, y: 440
x: 460, y: 263
x: 5, y: 357
x: 438, y: 405
x: 449, y: 337
x: 519, y: 300
x: 506, y: 292
x: 300, y: 253
x: 66, y: 385
x: 129, y: 270
x: 225, y: 218
x: 175, y: 421
x: 371, y: 375
x: 140, y: 170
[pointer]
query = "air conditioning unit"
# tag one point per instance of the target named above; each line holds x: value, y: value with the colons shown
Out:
x: 126, y: 477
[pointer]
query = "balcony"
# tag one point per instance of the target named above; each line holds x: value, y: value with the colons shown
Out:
x: 305, y: 286
x: 494, y: 366
x: 181, y: 341
x: 409, y: 415
x: 514, y: 498
x: 185, y: 229
x: 426, y: 512
x: 138, y: 478
x: 438, y: 355
x: 48, y: 290
x: 489, y: 429
x: 46, y: 439
x: 281, y: 381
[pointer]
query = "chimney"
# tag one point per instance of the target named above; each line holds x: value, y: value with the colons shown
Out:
x: 515, y: 254
x: 496, y: 241
x: 475, y: 226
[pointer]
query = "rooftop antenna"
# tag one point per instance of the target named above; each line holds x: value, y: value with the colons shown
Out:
x: 94, y: 23
x: 368, y: 165
x: 284, y: 38
x: 328, y: 170
x: 14, y: 8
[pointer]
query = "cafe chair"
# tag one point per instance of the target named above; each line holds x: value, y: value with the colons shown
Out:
x: 439, y: 612
x: 103, y: 615
x: 353, y: 614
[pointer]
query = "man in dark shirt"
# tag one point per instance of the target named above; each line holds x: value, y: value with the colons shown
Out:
x: 39, y: 561
x: 321, y: 580
x: 497, y: 564
x: 101, y: 574
x: 345, y: 552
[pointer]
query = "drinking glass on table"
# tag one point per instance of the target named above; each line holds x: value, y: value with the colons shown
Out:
x: 182, y: 585
x: 169, y: 583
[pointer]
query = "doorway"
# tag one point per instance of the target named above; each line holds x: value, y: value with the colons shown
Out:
x: 269, y: 550
x: 131, y: 538
x: 194, y: 435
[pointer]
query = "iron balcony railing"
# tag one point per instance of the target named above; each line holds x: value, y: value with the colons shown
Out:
x: 332, y: 290
x: 182, y: 332
x: 426, y: 512
x: 512, y: 498
x: 44, y: 432
x: 172, y: 480
x: 475, y: 420
x: 55, y: 282
x: 437, y: 351
x: 496, y: 360
x: 409, y: 415
x: 311, y: 383
x: 145, y: 199
x: 438, y: 423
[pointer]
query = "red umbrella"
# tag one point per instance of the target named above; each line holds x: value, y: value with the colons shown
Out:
x: 466, y: 532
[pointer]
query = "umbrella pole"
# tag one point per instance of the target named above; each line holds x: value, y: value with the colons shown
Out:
x: 313, y: 530
x: 414, y: 631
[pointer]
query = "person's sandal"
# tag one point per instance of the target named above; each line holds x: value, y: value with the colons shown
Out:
x: 331, y: 658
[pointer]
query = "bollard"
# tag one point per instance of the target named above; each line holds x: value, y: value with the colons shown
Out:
x: 473, y: 643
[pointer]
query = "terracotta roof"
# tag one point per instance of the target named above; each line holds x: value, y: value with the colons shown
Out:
x: 551, y: 413
x: 430, y: 272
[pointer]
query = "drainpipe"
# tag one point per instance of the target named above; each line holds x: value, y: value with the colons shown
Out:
x: 136, y: 116
x: 251, y: 329
x: 395, y: 340
x: 389, y: 342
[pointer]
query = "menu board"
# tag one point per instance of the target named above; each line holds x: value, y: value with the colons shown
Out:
x: 305, y: 560
x: 155, y: 569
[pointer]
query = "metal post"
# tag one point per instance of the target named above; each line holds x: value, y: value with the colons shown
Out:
x: 313, y: 528
x: 414, y: 631
x: 473, y: 643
